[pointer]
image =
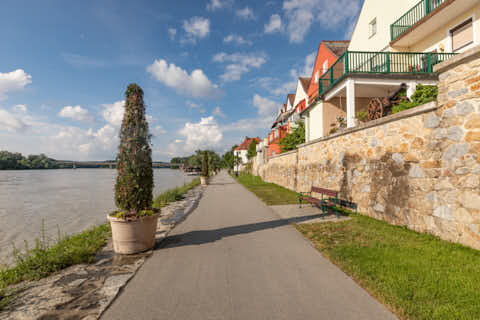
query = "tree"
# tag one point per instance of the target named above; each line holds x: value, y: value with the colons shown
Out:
x: 205, y: 164
x: 292, y: 140
x: 134, y: 184
x: 252, y: 149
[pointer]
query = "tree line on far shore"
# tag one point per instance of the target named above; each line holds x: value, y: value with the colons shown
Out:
x: 16, y: 161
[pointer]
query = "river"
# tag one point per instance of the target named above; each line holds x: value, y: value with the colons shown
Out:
x: 62, y: 200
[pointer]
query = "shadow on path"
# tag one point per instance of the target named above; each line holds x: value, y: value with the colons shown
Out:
x: 207, y: 236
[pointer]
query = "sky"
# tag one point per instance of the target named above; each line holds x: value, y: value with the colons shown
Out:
x: 213, y: 71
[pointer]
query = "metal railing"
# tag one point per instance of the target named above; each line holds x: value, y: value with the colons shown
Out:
x: 418, y: 12
x: 380, y: 63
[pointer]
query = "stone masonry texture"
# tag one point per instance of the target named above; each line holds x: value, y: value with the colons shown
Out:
x: 421, y: 170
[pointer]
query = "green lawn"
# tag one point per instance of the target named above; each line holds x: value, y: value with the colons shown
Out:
x: 175, y: 194
x: 270, y: 193
x: 418, y: 276
x: 43, y: 259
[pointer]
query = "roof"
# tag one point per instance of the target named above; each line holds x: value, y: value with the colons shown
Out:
x: 246, y: 143
x: 305, y: 83
x: 337, y: 47
x: 291, y: 98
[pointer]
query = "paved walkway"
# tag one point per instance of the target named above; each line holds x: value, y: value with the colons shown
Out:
x: 234, y: 258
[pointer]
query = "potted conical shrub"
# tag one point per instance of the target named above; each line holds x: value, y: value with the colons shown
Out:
x: 204, y: 177
x: 135, y: 222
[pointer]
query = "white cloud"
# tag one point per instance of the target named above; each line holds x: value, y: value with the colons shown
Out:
x: 249, y: 125
x: 196, y: 106
x: 236, y: 39
x: 239, y: 63
x: 20, y: 108
x: 11, y: 122
x: 76, y: 113
x: 274, y: 25
x: 201, y: 135
x: 219, y: 4
x: 13, y: 81
x: 172, y: 32
x: 158, y: 130
x: 245, y: 13
x: 301, y: 14
x: 265, y: 106
x: 113, y: 113
x: 196, y: 28
x: 80, y: 61
x: 218, y: 112
x: 195, y: 84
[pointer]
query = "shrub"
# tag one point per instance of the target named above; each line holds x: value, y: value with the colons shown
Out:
x: 205, y: 164
x: 134, y: 184
x: 422, y: 95
x: 291, y: 140
x: 252, y: 149
x: 362, y: 116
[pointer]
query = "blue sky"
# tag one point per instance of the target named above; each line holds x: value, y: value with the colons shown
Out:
x: 212, y: 71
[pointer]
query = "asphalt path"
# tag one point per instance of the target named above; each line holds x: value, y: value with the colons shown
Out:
x: 234, y: 258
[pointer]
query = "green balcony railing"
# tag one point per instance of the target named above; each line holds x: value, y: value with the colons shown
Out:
x: 380, y: 63
x: 418, y: 12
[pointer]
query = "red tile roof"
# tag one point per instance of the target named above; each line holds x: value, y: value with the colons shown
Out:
x: 246, y: 143
x: 291, y: 98
x: 337, y: 47
x: 305, y: 83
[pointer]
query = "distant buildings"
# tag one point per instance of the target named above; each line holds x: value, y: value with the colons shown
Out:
x: 242, y: 150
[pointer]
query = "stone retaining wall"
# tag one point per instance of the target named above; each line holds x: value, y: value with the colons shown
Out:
x: 419, y: 168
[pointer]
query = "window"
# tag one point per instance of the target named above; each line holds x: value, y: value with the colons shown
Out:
x: 316, y: 76
x: 325, y: 66
x: 462, y: 35
x: 373, y: 27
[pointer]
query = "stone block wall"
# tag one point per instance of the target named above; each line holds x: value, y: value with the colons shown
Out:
x: 419, y: 168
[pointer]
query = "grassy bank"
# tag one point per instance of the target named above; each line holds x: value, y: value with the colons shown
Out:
x: 43, y: 259
x: 417, y: 275
x: 270, y: 193
x: 175, y: 194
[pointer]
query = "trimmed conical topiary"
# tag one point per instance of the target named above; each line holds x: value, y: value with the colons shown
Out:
x: 205, y: 164
x: 134, y: 185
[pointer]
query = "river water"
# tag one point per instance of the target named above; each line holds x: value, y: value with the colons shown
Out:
x: 63, y: 200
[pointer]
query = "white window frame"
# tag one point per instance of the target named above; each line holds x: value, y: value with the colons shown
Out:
x: 371, y: 31
x: 325, y: 66
x: 469, y: 46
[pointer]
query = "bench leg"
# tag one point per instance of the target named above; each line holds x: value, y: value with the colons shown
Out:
x: 336, y: 212
x: 324, y: 211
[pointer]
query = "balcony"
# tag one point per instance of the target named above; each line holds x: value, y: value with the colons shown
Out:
x: 426, y: 17
x: 413, y: 16
x: 383, y: 63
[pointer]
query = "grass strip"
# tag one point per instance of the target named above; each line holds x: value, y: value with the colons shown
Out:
x: 419, y: 276
x: 175, y: 194
x: 270, y: 193
x: 43, y: 259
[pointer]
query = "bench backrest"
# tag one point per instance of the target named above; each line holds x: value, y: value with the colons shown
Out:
x: 328, y: 192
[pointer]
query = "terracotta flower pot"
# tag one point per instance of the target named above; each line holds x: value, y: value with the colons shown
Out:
x: 204, y: 181
x: 135, y: 236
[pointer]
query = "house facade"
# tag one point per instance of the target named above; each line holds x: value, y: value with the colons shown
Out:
x: 395, y: 43
x: 242, y: 150
x: 319, y: 115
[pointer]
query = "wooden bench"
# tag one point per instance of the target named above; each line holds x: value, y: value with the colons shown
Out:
x: 323, y: 203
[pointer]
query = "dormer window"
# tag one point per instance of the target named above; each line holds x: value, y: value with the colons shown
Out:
x: 316, y: 76
x: 373, y: 27
x: 325, y: 66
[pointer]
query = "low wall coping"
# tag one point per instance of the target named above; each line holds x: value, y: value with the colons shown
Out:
x: 427, y: 107
x: 457, y: 60
x: 284, y: 154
